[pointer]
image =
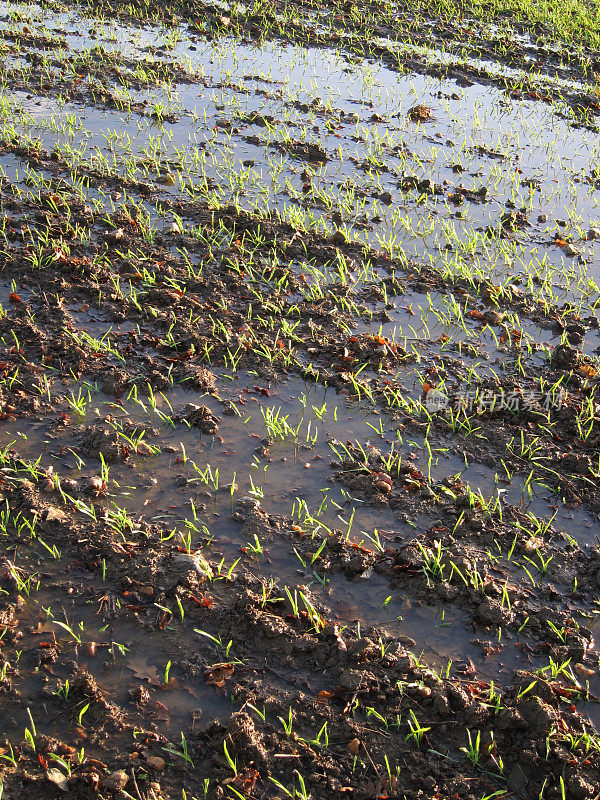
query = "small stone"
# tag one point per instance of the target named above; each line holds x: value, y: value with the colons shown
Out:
x: 542, y: 218
x: 193, y: 562
x: 533, y: 544
x: 354, y: 746
x: 593, y: 233
x: 95, y: 484
x: 54, y: 515
x: 115, y: 235
x: 155, y: 762
x: 116, y: 780
x: 56, y: 777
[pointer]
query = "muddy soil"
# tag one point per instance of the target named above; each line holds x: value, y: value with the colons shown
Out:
x: 299, y: 420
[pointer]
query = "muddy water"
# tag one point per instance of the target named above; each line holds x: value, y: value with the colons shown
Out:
x: 523, y: 154
x: 113, y: 652
x: 281, y: 476
x: 295, y: 469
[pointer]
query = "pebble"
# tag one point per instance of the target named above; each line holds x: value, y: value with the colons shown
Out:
x: 56, y: 777
x: 94, y: 484
x: 114, y: 235
x: 54, y: 515
x: 155, y: 762
x: 116, y: 780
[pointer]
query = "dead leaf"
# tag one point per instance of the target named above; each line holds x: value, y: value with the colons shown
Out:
x: 218, y: 674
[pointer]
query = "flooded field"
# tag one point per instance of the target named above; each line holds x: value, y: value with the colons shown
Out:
x: 299, y: 406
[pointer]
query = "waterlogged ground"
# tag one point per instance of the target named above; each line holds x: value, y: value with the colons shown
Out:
x: 298, y: 401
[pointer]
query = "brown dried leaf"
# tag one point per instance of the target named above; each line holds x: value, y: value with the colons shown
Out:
x: 218, y: 674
